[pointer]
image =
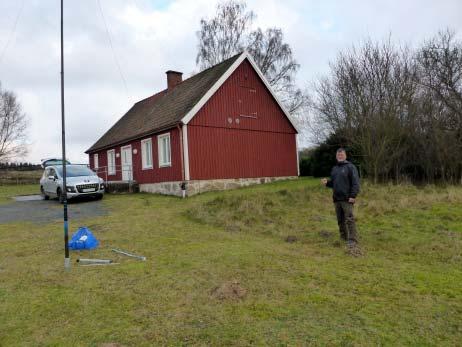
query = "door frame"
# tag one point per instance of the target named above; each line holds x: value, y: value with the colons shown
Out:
x: 130, y: 174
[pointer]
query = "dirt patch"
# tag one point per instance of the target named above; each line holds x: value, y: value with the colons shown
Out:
x: 291, y: 239
x: 326, y: 234
x: 229, y: 291
x: 354, y: 251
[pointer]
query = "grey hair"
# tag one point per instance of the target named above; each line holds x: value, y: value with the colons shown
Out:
x: 341, y: 149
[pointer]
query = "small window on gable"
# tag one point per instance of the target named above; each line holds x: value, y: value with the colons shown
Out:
x: 111, y: 167
x: 163, y: 143
x: 146, y: 154
x: 95, y: 161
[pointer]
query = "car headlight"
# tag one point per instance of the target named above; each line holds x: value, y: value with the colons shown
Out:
x: 70, y: 189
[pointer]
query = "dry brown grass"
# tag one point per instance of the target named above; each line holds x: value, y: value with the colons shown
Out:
x: 8, y: 177
x: 385, y: 199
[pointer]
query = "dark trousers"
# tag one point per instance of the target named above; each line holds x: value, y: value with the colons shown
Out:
x: 346, y: 221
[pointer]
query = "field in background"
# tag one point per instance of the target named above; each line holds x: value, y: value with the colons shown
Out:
x: 16, y: 177
x: 220, y: 272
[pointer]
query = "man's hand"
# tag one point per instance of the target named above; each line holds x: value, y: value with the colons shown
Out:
x: 351, y: 200
x: 323, y: 181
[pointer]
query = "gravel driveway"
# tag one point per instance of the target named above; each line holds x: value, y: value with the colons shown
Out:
x: 33, y: 209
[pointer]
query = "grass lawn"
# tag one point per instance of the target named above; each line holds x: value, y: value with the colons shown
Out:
x: 219, y: 272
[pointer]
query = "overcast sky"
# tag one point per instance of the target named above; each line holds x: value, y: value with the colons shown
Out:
x: 150, y: 37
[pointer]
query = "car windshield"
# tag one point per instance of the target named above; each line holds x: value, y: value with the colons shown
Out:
x: 75, y: 171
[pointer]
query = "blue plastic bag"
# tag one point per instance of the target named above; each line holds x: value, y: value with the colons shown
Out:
x: 83, y: 239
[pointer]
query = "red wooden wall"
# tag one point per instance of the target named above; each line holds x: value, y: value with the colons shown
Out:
x: 154, y: 175
x: 241, y: 132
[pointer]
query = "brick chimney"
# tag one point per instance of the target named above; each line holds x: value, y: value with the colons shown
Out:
x: 173, y: 79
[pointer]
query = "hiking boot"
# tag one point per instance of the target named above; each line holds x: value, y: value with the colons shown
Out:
x: 352, y: 244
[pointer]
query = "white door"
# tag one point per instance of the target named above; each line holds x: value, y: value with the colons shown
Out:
x: 49, y: 184
x: 127, y: 168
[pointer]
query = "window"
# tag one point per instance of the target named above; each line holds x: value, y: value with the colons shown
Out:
x: 111, y: 167
x: 53, y: 173
x: 95, y: 161
x: 146, y: 154
x: 163, y: 142
x: 75, y: 171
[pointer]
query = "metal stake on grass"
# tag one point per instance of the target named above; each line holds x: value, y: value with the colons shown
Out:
x: 67, y: 261
x: 140, y: 257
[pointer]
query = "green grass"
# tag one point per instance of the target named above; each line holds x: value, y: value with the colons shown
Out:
x: 405, y: 290
x: 8, y: 191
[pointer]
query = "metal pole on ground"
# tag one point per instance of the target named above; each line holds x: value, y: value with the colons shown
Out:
x: 67, y: 261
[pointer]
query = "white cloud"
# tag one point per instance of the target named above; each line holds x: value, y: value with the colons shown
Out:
x: 149, y: 40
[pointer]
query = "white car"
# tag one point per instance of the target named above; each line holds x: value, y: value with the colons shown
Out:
x: 81, y: 181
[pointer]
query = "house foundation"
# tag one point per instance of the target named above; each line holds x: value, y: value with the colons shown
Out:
x: 194, y: 187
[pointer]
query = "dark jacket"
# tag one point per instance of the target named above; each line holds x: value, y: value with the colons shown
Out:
x: 344, y: 180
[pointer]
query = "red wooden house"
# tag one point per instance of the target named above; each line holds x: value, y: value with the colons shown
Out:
x: 219, y: 129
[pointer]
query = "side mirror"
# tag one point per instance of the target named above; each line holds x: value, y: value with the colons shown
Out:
x: 51, y: 178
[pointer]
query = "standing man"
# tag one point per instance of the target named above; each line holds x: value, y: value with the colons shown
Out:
x: 344, y: 181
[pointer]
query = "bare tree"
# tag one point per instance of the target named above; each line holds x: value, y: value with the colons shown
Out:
x: 273, y: 56
x: 440, y: 63
x: 223, y: 35
x: 230, y: 32
x: 13, y: 126
x: 400, y: 110
x: 367, y: 100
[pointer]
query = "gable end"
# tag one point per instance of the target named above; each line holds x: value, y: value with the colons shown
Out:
x: 245, y: 55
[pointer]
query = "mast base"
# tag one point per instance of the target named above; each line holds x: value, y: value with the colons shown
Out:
x: 67, y: 264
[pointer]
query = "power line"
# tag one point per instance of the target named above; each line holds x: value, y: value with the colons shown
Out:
x: 12, y: 32
x: 112, y: 48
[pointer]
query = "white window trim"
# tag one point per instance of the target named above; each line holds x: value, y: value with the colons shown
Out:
x: 111, y: 170
x: 143, y: 154
x: 159, y: 150
x: 186, y: 152
x: 96, y: 161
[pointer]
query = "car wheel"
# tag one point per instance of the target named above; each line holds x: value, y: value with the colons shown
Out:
x: 46, y: 197
x: 60, y: 196
x: 99, y: 196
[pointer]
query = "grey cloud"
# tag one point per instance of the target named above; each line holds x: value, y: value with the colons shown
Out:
x: 95, y: 94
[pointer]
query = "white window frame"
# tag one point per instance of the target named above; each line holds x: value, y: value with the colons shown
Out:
x: 144, y: 157
x: 96, y: 161
x: 160, y: 139
x: 111, y: 169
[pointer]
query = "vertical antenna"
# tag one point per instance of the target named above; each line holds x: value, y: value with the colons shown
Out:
x: 67, y: 262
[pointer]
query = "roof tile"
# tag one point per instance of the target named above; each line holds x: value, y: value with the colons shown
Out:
x: 162, y: 110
